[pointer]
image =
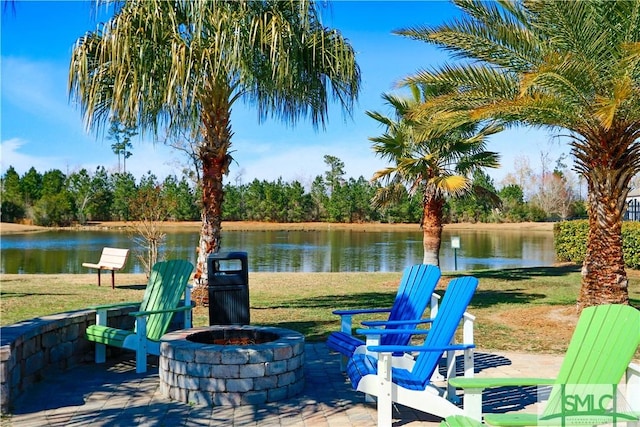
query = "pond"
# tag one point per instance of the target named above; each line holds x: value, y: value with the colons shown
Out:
x: 287, y: 251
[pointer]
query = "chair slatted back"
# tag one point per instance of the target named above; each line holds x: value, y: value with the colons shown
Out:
x: 452, y: 307
x: 166, y: 285
x: 413, y: 296
x: 603, y: 343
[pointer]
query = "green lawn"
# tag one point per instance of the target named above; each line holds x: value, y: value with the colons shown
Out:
x: 524, y: 309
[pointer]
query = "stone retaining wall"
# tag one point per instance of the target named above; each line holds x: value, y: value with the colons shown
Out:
x: 32, y: 349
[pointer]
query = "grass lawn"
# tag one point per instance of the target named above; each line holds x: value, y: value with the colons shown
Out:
x: 524, y: 309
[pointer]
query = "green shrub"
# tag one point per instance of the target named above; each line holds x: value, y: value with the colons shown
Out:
x: 570, y: 241
x: 11, y: 211
x: 54, y: 210
x: 631, y: 243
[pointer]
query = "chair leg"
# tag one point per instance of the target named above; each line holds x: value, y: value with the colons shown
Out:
x: 141, y: 360
x: 101, y: 353
x: 101, y: 319
x: 343, y: 363
x: 188, y: 321
x: 473, y: 403
x: 451, y: 373
x: 141, y: 348
x: 385, y: 400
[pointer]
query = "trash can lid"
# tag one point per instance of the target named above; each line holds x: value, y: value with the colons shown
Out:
x: 228, y: 255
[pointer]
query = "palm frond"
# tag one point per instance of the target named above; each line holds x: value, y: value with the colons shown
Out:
x: 495, y: 35
x: 157, y: 62
x: 389, y: 195
x: 455, y: 185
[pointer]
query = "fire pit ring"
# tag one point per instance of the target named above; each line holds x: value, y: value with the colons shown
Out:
x: 229, y: 365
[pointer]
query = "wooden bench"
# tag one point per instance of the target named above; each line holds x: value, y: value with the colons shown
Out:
x: 111, y: 259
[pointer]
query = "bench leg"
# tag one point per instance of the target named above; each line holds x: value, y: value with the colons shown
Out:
x: 113, y: 279
x: 98, y: 277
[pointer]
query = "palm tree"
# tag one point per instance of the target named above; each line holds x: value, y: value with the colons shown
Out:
x: 560, y: 65
x: 438, y: 164
x: 183, y: 64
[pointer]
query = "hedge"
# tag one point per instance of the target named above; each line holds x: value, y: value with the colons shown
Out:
x: 570, y: 241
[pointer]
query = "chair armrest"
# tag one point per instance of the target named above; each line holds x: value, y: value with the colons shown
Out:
x: 482, y: 383
x: 419, y: 348
x: 347, y: 315
x: 171, y: 310
x: 633, y: 371
x: 467, y: 317
x: 392, y: 331
x: 361, y: 311
x: 372, y: 323
x: 107, y: 306
x: 632, y: 377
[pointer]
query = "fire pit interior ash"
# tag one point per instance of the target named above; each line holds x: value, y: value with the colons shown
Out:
x: 231, y: 365
x: 232, y: 337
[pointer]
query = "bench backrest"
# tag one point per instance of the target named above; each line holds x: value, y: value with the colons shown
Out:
x: 113, y: 257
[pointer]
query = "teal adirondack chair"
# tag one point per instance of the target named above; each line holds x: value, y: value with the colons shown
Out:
x: 167, y: 283
x: 414, y: 388
x: 414, y: 294
x: 601, y: 349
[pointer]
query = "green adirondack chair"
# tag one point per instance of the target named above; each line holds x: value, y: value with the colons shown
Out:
x: 167, y: 283
x: 601, y: 349
x: 460, y: 421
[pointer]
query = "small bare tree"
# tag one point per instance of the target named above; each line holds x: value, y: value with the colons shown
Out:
x: 149, y: 209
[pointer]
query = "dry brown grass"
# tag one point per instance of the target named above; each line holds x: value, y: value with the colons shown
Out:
x: 9, y: 228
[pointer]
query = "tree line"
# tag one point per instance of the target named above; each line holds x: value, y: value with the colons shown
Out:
x: 53, y: 198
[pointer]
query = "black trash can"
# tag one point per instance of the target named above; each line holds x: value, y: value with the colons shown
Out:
x: 228, y: 274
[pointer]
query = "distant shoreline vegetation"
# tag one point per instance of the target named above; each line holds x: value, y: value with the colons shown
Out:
x: 188, y: 226
x: 53, y: 198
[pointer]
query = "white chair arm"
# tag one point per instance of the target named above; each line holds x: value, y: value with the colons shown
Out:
x: 435, y: 301
x: 633, y: 386
x: 468, y: 321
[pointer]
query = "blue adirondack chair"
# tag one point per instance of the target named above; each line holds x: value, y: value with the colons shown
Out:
x: 167, y: 283
x: 415, y: 291
x: 414, y: 388
x: 602, y: 346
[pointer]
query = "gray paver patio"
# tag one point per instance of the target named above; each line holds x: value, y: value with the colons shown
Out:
x: 114, y: 395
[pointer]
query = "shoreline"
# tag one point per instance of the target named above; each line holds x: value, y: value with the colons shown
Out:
x: 11, y: 228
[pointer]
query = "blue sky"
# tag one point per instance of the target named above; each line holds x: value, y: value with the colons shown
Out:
x: 41, y: 127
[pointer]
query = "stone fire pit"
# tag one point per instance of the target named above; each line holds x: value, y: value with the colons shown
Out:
x: 231, y: 365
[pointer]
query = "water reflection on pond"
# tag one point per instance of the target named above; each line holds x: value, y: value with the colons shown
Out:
x: 287, y: 251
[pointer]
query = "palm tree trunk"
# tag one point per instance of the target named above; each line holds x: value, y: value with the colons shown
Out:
x: 213, y: 153
x: 604, y: 279
x: 432, y: 227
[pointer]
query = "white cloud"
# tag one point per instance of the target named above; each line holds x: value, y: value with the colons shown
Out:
x: 11, y: 155
x: 302, y: 163
x: 157, y: 158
